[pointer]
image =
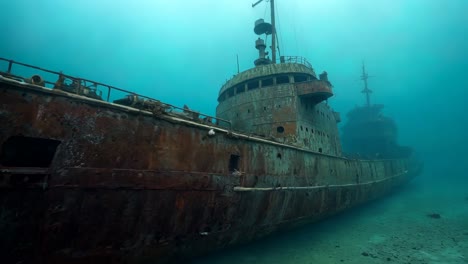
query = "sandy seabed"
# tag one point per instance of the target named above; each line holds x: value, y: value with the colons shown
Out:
x: 425, y: 222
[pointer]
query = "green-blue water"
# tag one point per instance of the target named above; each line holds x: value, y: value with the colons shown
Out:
x: 181, y: 52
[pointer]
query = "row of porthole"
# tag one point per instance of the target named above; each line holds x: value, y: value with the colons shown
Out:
x: 279, y: 106
x: 280, y: 129
x: 318, y: 132
x: 323, y: 114
x: 318, y: 112
x: 264, y: 109
x: 306, y: 142
x: 279, y: 156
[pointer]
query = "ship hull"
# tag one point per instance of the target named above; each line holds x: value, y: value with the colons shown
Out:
x: 85, y: 181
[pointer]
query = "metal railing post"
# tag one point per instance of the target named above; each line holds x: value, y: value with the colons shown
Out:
x: 10, y: 64
x: 108, y: 93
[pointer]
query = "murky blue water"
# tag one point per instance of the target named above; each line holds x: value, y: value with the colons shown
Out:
x: 181, y: 52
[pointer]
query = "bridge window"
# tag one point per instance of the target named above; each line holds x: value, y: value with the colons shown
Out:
x: 240, y: 89
x: 267, y: 82
x: 253, y: 85
x: 230, y: 92
x: 280, y: 129
x: 282, y: 79
x: 222, y: 97
x: 300, y: 78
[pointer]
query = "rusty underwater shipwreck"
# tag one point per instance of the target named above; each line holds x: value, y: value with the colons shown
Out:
x: 86, y: 177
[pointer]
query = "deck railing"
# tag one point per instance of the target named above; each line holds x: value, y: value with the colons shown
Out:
x: 296, y: 59
x: 97, y: 90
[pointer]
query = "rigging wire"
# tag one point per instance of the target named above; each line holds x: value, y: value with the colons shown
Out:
x: 279, y: 27
x: 264, y: 17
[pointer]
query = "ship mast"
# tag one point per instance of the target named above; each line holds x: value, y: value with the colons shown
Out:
x: 366, y: 90
x: 273, y: 29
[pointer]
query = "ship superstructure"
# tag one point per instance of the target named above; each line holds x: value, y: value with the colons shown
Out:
x: 284, y: 101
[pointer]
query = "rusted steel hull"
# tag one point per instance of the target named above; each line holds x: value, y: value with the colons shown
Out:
x: 126, y: 186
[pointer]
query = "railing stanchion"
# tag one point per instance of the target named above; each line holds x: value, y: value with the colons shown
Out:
x: 10, y: 64
x: 108, y: 93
